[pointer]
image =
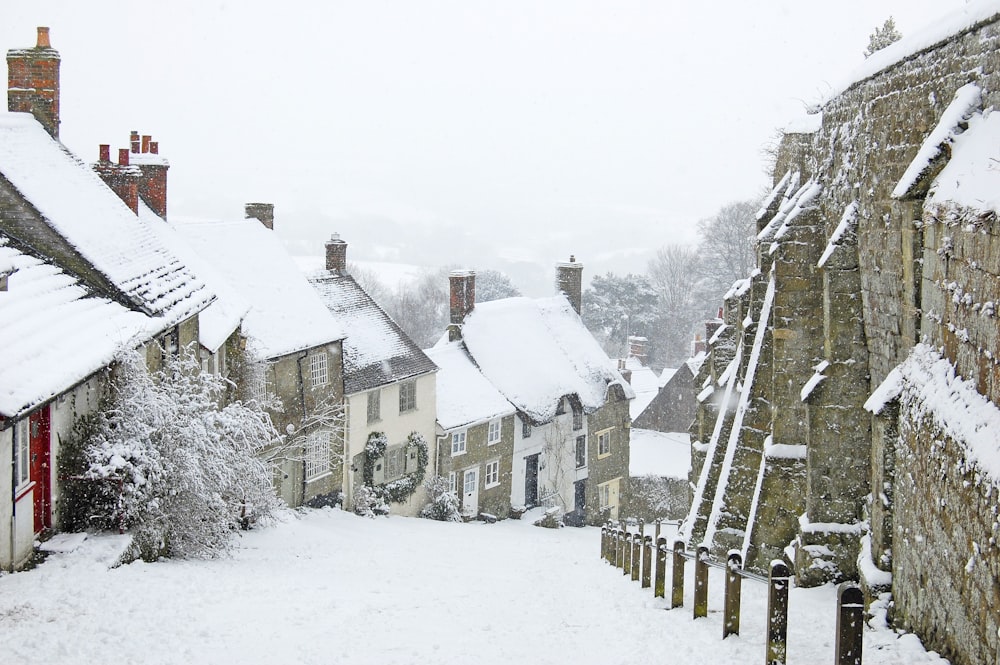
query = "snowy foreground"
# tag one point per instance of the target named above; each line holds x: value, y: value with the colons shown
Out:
x: 329, y: 587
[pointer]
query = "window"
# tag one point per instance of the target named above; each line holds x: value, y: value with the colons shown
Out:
x: 604, y: 443
x: 604, y: 495
x: 22, y: 454
x: 395, y: 462
x: 451, y: 482
x: 407, y: 396
x: 581, y: 451
x: 318, y: 375
x: 525, y: 429
x: 258, y: 382
x: 493, y: 473
x: 374, y: 406
x: 318, y: 454
x: 494, y: 434
x: 458, y: 443
x: 577, y: 417
x: 607, y: 496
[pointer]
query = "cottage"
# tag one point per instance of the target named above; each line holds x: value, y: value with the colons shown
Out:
x: 389, y: 392
x: 571, y: 438
x: 82, y: 278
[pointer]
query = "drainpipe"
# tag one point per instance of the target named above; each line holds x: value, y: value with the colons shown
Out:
x: 302, y: 401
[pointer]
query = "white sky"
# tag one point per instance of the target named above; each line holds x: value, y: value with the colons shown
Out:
x: 543, y: 127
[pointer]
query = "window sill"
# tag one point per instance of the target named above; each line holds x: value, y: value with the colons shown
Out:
x: 497, y: 484
x: 321, y: 476
x: 603, y: 455
x: 458, y: 453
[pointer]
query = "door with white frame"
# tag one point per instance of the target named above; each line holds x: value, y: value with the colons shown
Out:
x: 470, y: 492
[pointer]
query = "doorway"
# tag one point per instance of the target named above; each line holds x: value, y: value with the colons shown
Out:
x: 531, y: 480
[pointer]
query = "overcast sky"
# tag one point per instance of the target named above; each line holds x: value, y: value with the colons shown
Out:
x: 536, y: 127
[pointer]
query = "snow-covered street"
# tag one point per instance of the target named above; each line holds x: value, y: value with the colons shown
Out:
x: 329, y: 587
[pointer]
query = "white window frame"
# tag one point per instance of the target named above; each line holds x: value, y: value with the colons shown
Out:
x: 407, y: 396
x: 458, y: 443
x: 491, y: 475
x: 472, y: 473
x: 319, y: 374
x: 452, y: 487
x: 317, y: 457
x: 22, y: 454
x: 577, y: 451
x: 604, y: 443
x: 604, y: 495
x: 493, y: 434
x: 258, y: 383
x: 374, y: 406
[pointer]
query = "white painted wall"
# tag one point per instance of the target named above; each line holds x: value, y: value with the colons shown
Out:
x: 6, y: 505
x: 396, y: 426
x: 556, y: 467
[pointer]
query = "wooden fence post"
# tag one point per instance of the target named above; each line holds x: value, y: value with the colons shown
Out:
x: 642, y: 528
x: 627, y: 552
x: 734, y: 583
x: 636, y: 556
x: 659, y: 582
x: 701, y: 582
x: 850, y: 623
x: 677, y: 582
x: 647, y: 560
x: 658, y: 520
x: 604, y: 543
x: 777, y: 613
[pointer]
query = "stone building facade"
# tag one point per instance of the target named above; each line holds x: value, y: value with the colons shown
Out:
x: 844, y: 405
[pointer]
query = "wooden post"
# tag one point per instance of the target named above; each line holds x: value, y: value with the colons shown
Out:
x: 636, y: 556
x: 627, y: 551
x: 642, y: 528
x: 777, y: 613
x: 658, y: 520
x: 647, y: 560
x: 701, y: 583
x: 618, y: 548
x: 734, y: 583
x: 604, y: 543
x: 677, y: 583
x: 850, y: 623
x: 659, y: 579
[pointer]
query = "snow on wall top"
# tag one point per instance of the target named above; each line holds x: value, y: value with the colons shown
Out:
x: 928, y: 382
x: 667, y: 455
x: 537, y: 351
x: 53, y: 334
x: 971, y: 177
x: 376, y: 350
x: 221, y: 318
x: 807, y: 123
x: 84, y: 213
x: 967, y: 99
x: 464, y: 395
x: 286, y: 314
x: 953, y: 23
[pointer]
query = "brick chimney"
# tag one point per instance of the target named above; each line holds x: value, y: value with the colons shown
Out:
x: 33, y: 82
x: 263, y: 212
x: 153, y: 183
x: 462, y: 285
x: 637, y: 348
x: 569, y: 281
x: 336, y: 255
x: 123, y: 178
x: 699, y: 345
x: 624, y: 371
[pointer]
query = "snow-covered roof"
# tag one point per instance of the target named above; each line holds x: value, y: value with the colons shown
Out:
x: 376, y: 350
x: 221, y: 318
x: 53, y: 332
x: 67, y: 213
x: 954, y: 23
x: 695, y: 362
x: 535, y: 351
x: 644, y: 383
x: 971, y: 178
x: 464, y: 395
x: 286, y: 314
x: 659, y: 454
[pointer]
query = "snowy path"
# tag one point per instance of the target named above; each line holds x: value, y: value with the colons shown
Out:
x: 328, y: 587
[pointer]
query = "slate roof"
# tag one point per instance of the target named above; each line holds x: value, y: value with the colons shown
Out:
x: 376, y: 350
x: 54, y: 332
x: 286, y: 314
x: 535, y: 351
x: 56, y: 206
x: 464, y: 395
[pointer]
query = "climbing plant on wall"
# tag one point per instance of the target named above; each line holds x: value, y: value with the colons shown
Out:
x: 402, y: 488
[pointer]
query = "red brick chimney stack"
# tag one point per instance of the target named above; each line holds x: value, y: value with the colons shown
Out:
x: 105, y: 152
x: 153, y: 185
x: 336, y: 255
x: 462, y: 285
x: 569, y: 281
x: 263, y: 212
x: 33, y: 82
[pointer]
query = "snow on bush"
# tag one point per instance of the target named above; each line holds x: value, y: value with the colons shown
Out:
x: 166, y: 459
x: 443, y: 505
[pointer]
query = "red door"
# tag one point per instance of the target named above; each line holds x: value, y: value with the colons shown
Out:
x: 41, y: 470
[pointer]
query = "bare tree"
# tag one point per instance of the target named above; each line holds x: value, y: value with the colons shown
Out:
x: 421, y: 308
x: 726, y: 249
x: 676, y: 276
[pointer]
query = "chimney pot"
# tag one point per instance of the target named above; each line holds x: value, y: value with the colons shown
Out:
x: 123, y: 157
x: 154, y: 147
x: 134, y: 141
x: 43, y: 38
x: 105, y: 152
x: 146, y: 138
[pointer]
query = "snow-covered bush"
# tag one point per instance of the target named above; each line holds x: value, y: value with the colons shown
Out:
x: 166, y: 459
x: 369, y: 502
x: 443, y: 504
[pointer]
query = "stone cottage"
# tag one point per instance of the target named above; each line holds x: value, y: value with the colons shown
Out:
x: 389, y: 391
